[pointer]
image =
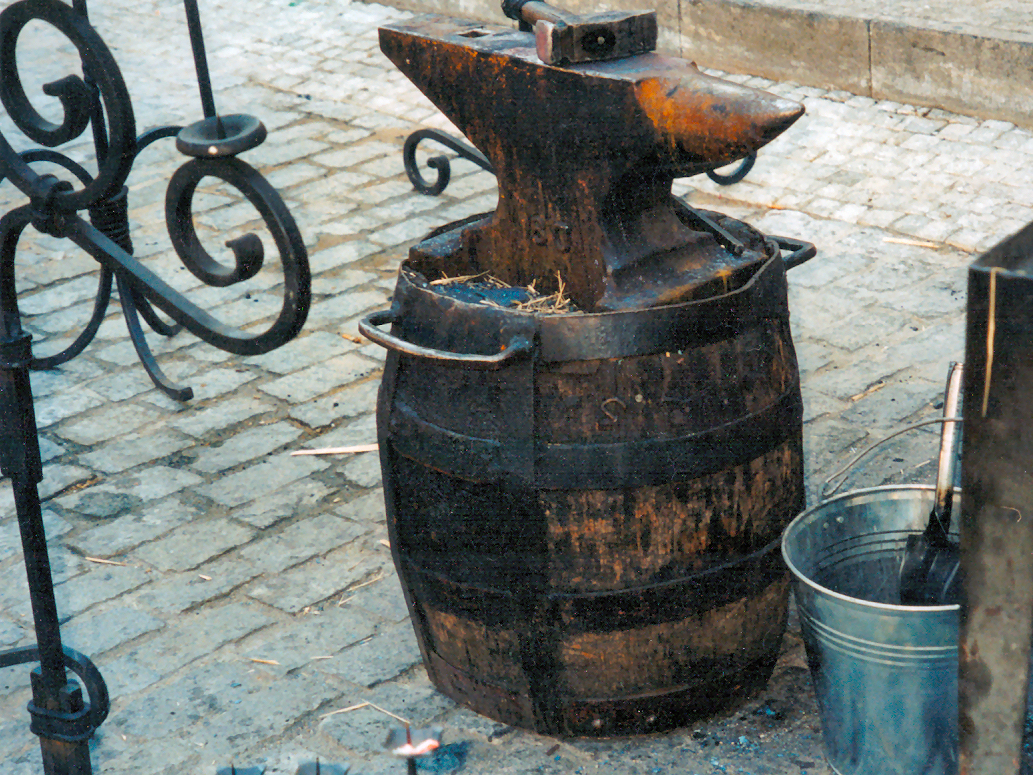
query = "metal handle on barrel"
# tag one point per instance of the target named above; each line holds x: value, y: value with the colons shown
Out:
x: 368, y: 327
x: 801, y: 251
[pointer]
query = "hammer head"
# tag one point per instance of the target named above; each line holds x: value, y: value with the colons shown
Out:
x: 596, y: 37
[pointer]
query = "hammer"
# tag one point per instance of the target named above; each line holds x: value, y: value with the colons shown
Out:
x: 563, y: 38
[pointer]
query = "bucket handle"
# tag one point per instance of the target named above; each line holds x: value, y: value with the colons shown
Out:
x: 840, y: 473
x: 368, y: 327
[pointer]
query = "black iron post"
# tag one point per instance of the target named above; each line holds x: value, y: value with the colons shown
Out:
x: 62, y: 717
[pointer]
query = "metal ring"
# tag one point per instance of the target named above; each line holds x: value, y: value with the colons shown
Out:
x: 78, y: 663
x: 736, y: 175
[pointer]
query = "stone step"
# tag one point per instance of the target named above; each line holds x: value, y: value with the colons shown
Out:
x: 971, y: 58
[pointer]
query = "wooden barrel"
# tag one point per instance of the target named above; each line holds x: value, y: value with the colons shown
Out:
x: 585, y: 510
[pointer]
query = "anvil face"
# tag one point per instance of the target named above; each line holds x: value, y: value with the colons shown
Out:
x: 585, y: 155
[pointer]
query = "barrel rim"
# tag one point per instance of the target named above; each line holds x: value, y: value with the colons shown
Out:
x: 407, y: 273
x: 825, y: 591
x: 760, y: 301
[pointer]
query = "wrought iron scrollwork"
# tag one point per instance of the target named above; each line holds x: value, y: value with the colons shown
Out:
x: 439, y: 163
x: 78, y: 95
x: 101, y: 92
x: 98, y: 99
x: 247, y: 251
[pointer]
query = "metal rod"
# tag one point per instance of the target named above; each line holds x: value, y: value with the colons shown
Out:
x: 41, y: 583
x: 204, y: 81
x: 100, y: 134
x: 52, y: 692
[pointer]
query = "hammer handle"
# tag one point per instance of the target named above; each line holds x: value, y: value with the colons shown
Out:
x: 527, y: 12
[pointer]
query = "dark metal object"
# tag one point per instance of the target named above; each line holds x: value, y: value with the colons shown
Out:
x: 800, y: 251
x: 368, y: 326
x: 996, y: 529
x: 929, y: 568
x: 213, y: 137
x: 232, y: 770
x: 701, y: 222
x: 563, y: 38
x: 204, y: 81
x: 62, y: 718
x: 439, y: 163
x: 526, y: 12
x: 735, y: 175
x: 585, y: 157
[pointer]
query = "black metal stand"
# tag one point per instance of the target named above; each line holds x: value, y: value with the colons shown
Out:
x: 62, y: 718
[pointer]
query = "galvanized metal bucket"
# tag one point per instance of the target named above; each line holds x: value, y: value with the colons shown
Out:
x: 885, y: 675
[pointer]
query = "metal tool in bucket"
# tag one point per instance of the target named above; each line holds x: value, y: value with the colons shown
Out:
x: 885, y: 674
x: 929, y: 571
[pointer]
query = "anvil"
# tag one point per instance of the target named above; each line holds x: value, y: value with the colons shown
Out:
x: 585, y: 156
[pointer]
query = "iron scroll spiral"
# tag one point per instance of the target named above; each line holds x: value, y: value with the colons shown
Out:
x: 100, y: 97
x: 438, y: 163
x: 79, y: 99
x: 248, y: 252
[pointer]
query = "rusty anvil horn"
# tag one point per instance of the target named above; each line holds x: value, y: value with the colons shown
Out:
x: 585, y: 156
x: 563, y: 38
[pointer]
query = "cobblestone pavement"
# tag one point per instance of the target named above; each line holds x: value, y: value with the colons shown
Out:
x: 235, y: 596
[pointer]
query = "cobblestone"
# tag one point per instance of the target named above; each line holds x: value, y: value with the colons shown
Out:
x: 105, y: 583
x: 134, y: 450
x: 245, y: 446
x: 235, y: 551
x: 294, y: 544
x: 131, y: 530
x: 316, y: 380
x: 243, y: 486
x: 99, y: 632
x: 193, y: 543
x: 197, y: 634
x: 283, y: 505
